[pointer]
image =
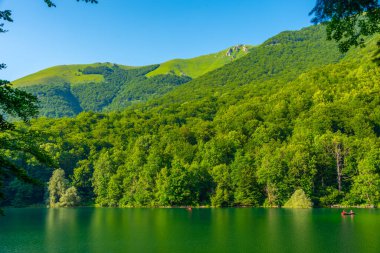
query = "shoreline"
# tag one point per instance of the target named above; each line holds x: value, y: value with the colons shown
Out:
x: 192, y: 207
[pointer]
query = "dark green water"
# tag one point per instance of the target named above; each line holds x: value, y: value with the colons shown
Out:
x: 177, y: 230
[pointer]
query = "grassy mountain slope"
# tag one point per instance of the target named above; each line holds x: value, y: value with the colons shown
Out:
x: 198, y: 66
x: 65, y: 73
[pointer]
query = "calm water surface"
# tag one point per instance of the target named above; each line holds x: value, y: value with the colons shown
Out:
x: 177, y: 230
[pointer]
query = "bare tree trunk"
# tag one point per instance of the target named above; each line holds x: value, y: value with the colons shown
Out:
x: 339, y: 167
x: 336, y: 147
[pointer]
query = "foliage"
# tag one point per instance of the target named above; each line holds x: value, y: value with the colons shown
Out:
x: 13, y: 102
x: 51, y: 4
x: 60, y: 194
x: 348, y: 22
x: 298, y: 200
x: 331, y: 197
x: 223, y: 193
x: 19, y: 148
x: 70, y: 198
x: 366, y: 186
x: 57, y: 187
x: 21, y: 194
x: 17, y: 103
x: 22, y: 105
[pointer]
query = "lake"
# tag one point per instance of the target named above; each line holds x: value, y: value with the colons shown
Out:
x: 114, y: 230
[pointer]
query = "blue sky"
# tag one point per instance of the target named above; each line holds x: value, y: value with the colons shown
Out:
x: 137, y: 32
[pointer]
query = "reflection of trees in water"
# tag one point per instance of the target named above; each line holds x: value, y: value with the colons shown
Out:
x: 64, y: 230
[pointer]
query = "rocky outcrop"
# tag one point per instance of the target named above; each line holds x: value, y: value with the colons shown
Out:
x: 235, y: 49
x: 229, y: 52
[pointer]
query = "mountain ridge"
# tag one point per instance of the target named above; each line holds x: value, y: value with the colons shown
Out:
x: 71, y: 72
x: 116, y: 86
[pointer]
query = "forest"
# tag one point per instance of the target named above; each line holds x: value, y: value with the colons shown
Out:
x: 293, y: 114
x: 120, y: 88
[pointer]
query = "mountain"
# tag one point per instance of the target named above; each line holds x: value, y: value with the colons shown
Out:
x: 68, y: 90
x: 278, y: 60
x: 292, y: 114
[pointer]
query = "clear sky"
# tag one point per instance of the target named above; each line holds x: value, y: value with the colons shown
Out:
x: 137, y: 32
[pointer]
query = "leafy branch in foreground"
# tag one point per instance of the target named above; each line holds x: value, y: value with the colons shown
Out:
x: 21, y: 105
x: 51, y: 4
x: 16, y: 143
x: 16, y: 103
x: 348, y: 22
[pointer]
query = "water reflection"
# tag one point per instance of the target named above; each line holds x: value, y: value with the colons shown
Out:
x: 115, y: 230
x: 65, y: 227
x: 300, y: 233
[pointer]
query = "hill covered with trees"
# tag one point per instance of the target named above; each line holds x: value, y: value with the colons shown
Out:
x: 67, y: 90
x: 293, y: 114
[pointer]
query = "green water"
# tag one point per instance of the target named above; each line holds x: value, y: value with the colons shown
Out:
x: 177, y: 230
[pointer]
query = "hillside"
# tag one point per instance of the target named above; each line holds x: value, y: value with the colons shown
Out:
x: 198, y: 66
x: 68, y: 90
x: 248, y: 134
x: 279, y: 59
x: 75, y: 90
x: 65, y: 73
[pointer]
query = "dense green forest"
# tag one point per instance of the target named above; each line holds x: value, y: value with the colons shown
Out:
x: 119, y: 88
x: 294, y: 114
